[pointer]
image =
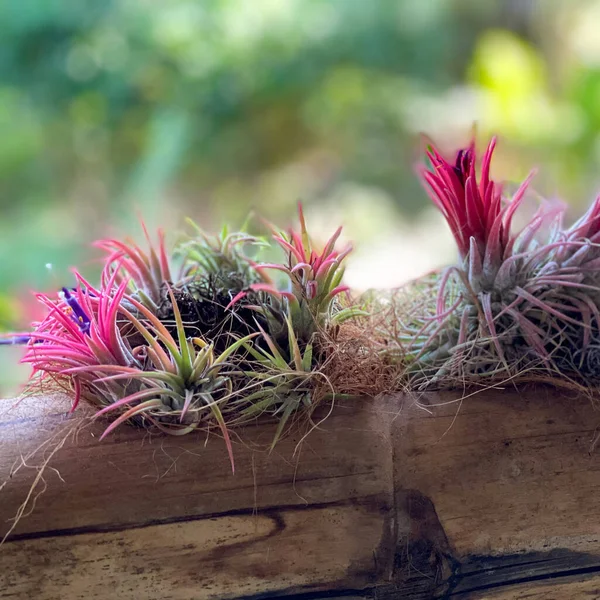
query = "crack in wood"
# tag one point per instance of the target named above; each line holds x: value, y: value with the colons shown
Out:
x: 427, y: 563
x: 480, y: 573
x: 267, y: 511
x: 463, y: 586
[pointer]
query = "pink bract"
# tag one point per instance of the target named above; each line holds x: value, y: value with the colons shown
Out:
x: 474, y: 207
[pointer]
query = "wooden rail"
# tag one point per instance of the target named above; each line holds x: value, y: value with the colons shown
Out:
x: 494, y: 497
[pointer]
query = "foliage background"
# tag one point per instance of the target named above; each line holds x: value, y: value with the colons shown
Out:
x: 210, y: 108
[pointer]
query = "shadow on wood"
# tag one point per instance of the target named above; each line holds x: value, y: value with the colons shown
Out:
x: 491, y: 497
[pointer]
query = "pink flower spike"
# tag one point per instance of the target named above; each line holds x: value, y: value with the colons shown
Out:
x: 478, y: 215
x: 465, y: 204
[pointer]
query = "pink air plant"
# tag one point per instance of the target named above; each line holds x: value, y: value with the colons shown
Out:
x: 315, y: 277
x: 129, y: 366
x: 147, y: 272
x: 79, y: 331
x: 507, y: 280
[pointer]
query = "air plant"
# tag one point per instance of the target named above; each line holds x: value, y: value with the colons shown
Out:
x: 513, y: 300
x: 287, y: 384
x: 184, y: 384
x: 213, y: 269
x: 314, y: 283
x: 146, y: 272
x: 221, y: 258
x: 80, y: 330
x: 296, y: 319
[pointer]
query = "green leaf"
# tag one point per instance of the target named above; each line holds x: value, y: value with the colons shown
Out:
x: 334, y: 278
x: 293, y: 343
x: 349, y: 313
x: 233, y: 347
x: 260, y: 354
x: 204, y: 359
x: 278, y: 360
x: 216, y: 411
x: 307, y: 358
x: 288, y: 410
x: 186, y: 363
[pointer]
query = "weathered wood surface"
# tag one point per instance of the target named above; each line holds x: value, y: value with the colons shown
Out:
x: 492, y: 497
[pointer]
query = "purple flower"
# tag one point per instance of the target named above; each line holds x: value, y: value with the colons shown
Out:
x: 78, y: 314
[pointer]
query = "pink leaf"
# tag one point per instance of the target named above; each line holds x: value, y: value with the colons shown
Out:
x: 287, y: 246
x: 236, y: 298
x: 338, y: 290
x: 77, y: 390
x: 132, y: 412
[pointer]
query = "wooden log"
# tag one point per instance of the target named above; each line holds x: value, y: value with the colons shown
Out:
x: 489, y: 497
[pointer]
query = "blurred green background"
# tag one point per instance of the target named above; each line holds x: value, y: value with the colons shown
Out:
x: 209, y: 108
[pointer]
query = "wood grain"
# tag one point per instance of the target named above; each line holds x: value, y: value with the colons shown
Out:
x: 494, y: 496
x: 130, y: 479
x: 226, y: 557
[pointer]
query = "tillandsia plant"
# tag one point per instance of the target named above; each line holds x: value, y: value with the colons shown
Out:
x: 296, y: 319
x: 287, y: 380
x: 214, y: 268
x: 310, y: 298
x: 178, y: 341
x: 146, y: 272
x: 221, y: 258
x: 515, y: 301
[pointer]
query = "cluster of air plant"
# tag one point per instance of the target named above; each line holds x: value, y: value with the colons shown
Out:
x: 516, y: 302
x: 203, y: 336
x: 197, y: 338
